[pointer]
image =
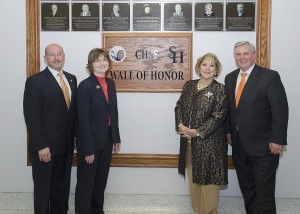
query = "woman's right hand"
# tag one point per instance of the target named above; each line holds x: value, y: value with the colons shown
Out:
x: 90, y: 159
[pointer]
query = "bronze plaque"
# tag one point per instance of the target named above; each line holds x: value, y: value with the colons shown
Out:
x: 178, y: 17
x: 146, y: 17
x: 85, y: 17
x: 149, y: 62
x: 240, y: 16
x: 54, y: 17
x: 115, y: 17
x: 209, y: 16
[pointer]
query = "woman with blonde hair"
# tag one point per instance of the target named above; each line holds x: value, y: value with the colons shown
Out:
x: 200, y: 114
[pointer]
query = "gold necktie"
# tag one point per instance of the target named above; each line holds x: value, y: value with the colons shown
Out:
x: 64, y: 88
x: 240, y: 88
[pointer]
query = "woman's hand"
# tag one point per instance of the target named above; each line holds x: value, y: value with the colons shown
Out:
x: 187, y: 132
x: 116, y: 148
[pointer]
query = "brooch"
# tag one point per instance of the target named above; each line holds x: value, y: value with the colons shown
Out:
x: 209, y: 94
x: 98, y: 87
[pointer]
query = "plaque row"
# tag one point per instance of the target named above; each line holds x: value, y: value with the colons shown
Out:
x: 204, y: 16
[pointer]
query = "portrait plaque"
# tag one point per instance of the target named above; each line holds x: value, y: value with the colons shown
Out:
x: 147, y: 17
x: 115, y: 17
x: 209, y: 16
x: 149, y: 62
x: 85, y: 17
x: 54, y: 16
x: 240, y: 16
x: 178, y: 16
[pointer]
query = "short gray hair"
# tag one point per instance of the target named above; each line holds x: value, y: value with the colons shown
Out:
x: 241, y: 43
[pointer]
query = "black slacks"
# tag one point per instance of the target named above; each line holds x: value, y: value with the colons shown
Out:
x: 257, y: 179
x: 51, y: 183
x: 92, y: 180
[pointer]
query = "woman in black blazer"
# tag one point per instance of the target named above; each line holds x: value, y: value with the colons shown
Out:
x: 98, y: 133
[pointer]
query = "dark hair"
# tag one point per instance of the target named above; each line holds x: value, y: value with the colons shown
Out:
x: 93, y: 55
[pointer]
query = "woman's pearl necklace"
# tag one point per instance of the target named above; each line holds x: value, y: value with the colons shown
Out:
x: 200, y: 87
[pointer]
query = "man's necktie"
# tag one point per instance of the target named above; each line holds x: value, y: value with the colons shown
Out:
x: 64, y: 88
x: 240, y: 88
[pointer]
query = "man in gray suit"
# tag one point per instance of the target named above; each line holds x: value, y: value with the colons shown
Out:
x: 256, y: 128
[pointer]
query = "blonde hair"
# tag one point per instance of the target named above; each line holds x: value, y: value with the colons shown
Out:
x: 209, y: 56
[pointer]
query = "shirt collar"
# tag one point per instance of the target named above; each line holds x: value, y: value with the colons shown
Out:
x: 248, y: 71
x: 53, y: 71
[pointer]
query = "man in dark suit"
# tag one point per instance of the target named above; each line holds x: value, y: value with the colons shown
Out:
x: 240, y: 10
x: 116, y: 11
x: 85, y: 10
x: 178, y: 12
x: 50, y: 116
x: 256, y: 128
x: 54, y: 11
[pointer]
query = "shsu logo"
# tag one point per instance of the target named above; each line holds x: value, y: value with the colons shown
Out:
x: 154, y: 54
x: 173, y: 54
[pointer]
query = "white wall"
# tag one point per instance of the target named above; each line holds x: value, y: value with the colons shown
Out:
x: 146, y: 119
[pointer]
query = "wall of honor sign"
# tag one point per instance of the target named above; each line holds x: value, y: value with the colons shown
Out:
x: 153, y: 62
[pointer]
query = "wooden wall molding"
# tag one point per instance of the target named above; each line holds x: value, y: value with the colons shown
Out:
x: 263, y: 43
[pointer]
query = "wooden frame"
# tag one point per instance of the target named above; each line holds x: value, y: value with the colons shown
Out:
x: 263, y: 44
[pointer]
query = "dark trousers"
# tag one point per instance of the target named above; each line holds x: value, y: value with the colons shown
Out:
x: 257, y: 179
x: 51, y: 183
x: 92, y: 179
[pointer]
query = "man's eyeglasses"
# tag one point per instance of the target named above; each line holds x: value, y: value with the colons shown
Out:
x: 55, y: 54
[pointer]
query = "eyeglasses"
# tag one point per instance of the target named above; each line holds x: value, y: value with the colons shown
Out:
x: 101, y: 60
x: 59, y: 54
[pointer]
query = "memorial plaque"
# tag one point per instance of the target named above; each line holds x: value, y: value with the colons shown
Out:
x: 240, y: 16
x: 116, y: 17
x: 178, y: 17
x: 209, y: 16
x: 149, y: 62
x: 54, y: 16
x: 85, y: 17
x: 147, y: 17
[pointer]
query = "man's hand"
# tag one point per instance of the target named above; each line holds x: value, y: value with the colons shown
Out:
x: 45, y: 155
x: 90, y: 159
x: 275, y: 149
